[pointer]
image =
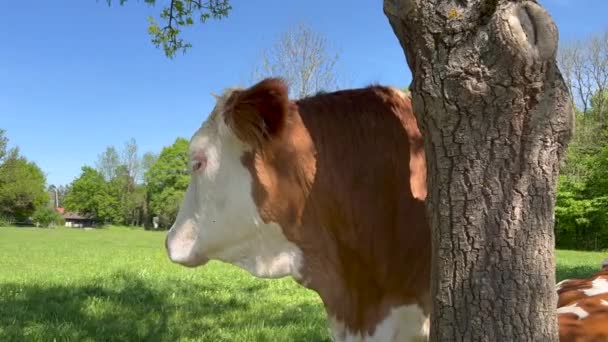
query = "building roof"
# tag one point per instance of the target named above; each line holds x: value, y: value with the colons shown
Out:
x: 75, y: 216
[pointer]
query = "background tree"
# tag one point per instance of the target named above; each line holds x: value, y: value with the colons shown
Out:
x: 108, y: 162
x: 22, y: 188
x: 303, y: 59
x: 129, y: 197
x: 46, y: 216
x: 90, y: 195
x: 22, y: 184
x: 129, y: 192
x: 120, y: 188
x: 585, y: 66
x: 3, y: 144
x: 582, y: 198
x: 178, y: 14
x: 581, y: 208
x: 122, y: 171
x: 5, y: 152
x: 496, y: 116
x: 131, y: 160
x: 167, y: 180
x: 148, y: 159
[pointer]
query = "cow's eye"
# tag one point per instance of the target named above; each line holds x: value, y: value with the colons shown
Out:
x: 198, y: 163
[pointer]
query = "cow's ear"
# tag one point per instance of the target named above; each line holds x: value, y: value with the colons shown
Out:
x: 258, y: 113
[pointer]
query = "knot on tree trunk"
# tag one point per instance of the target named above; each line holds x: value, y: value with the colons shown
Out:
x: 397, y: 7
x: 526, y: 30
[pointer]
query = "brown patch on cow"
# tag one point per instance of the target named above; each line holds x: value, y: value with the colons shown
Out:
x: 345, y: 178
x: 592, y: 327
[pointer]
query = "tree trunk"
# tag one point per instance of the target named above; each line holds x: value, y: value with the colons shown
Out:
x: 497, y: 117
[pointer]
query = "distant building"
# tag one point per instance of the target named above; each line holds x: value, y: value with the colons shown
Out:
x: 76, y: 220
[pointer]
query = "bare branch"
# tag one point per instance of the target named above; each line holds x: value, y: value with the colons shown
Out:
x: 301, y: 56
x: 585, y: 67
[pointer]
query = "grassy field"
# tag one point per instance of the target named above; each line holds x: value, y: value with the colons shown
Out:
x: 117, y: 284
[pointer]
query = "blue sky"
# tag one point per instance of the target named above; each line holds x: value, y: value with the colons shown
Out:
x: 77, y: 75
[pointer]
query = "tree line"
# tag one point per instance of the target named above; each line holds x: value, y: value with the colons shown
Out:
x: 22, y: 188
x: 581, y: 211
x: 125, y: 188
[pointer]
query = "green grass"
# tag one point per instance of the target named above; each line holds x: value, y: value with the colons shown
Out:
x: 575, y: 264
x: 117, y: 284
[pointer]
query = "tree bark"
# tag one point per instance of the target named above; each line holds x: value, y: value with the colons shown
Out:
x: 497, y: 117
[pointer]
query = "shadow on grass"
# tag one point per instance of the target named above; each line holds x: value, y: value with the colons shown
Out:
x: 126, y: 308
x: 294, y: 315
x: 569, y: 272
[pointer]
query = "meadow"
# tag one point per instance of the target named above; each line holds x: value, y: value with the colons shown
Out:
x: 116, y: 284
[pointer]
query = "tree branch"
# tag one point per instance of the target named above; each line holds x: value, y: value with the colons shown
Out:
x: 180, y: 13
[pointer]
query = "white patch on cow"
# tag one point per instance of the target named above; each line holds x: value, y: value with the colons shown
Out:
x: 598, y: 286
x: 269, y: 255
x: 405, y: 323
x: 218, y: 218
x: 559, y: 285
x: 573, y: 309
x: 604, y: 302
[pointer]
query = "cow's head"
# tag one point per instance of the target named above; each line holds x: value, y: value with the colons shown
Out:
x: 220, y: 217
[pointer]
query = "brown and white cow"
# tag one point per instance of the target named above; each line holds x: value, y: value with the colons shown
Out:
x: 328, y: 189
x: 582, y: 309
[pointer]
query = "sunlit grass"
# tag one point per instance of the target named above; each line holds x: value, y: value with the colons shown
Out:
x: 576, y: 264
x: 117, y: 284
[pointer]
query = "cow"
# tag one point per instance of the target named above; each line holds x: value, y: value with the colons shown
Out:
x: 582, y: 308
x: 328, y: 189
